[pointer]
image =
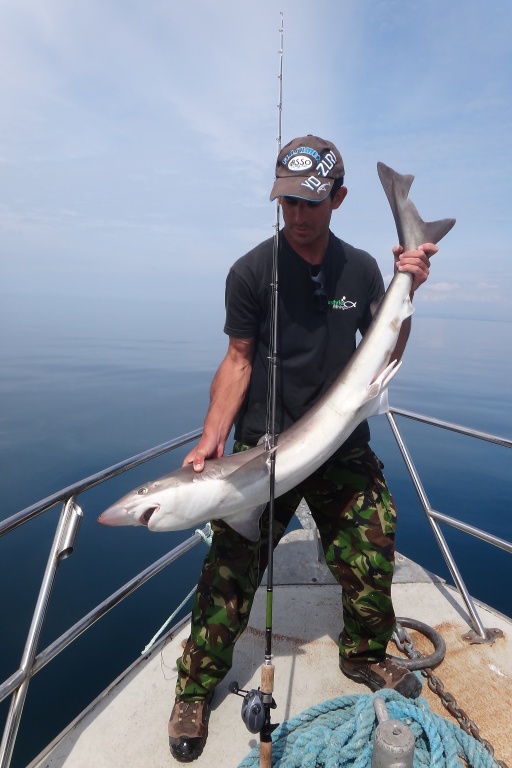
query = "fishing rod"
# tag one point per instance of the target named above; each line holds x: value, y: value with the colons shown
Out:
x: 267, y: 668
x: 257, y: 704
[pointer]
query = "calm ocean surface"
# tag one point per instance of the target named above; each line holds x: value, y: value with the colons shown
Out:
x: 82, y: 388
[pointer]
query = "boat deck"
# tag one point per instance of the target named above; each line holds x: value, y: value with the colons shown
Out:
x: 128, y: 724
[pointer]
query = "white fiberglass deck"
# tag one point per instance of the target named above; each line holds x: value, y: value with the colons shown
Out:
x: 128, y: 726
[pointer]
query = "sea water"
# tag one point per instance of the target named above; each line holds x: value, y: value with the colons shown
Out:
x: 83, y: 387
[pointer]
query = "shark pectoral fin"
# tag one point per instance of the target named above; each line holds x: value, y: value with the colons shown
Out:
x: 378, y: 389
x: 246, y: 522
x: 250, y: 483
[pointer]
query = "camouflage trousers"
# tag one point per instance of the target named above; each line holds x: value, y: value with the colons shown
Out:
x: 356, y: 518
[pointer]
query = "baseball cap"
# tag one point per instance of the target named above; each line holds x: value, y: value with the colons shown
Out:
x: 306, y: 167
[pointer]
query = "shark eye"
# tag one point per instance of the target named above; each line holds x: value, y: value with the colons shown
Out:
x: 142, y: 491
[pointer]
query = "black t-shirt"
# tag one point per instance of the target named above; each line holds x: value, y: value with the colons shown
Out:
x: 313, y: 347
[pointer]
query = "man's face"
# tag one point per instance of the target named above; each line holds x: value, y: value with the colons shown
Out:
x: 307, y: 222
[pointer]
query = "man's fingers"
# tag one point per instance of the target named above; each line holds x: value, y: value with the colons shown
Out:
x: 196, y: 458
x: 198, y: 462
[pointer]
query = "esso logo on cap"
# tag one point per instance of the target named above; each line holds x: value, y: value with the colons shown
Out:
x: 300, y: 163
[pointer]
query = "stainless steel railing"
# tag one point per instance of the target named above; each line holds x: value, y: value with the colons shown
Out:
x: 99, y: 477
x: 62, y: 546
x: 67, y: 530
x: 435, y: 517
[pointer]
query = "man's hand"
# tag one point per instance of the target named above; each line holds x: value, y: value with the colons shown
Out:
x: 205, y: 449
x: 416, y: 262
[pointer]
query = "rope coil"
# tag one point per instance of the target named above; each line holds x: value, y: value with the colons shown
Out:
x: 338, y: 733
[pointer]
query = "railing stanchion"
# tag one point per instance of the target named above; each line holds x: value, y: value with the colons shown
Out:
x: 65, y: 532
x: 441, y: 541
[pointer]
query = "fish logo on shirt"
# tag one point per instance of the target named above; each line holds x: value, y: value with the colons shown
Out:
x: 342, y: 303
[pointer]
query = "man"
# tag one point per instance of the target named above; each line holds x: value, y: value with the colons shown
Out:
x: 327, y: 292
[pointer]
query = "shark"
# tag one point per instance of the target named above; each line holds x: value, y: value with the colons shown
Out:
x: 236, y: 488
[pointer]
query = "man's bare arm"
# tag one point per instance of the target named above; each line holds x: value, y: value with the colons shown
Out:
x: 227, y: 394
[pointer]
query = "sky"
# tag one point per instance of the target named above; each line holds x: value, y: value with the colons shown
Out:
x: 138, y: 140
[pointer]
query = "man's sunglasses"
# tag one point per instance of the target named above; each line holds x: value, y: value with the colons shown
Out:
x: 293, y: 201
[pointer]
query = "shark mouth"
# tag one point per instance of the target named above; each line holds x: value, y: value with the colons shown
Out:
x: 146, y: 516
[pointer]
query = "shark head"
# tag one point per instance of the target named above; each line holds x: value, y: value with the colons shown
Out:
x: 160, y: 504
x: 136, y: 508
x: 185, y: 498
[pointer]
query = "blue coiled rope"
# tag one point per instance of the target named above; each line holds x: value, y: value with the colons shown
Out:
x: 339, y: 732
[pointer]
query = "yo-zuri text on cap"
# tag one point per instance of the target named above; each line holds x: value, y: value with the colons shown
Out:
x: 307, y: 167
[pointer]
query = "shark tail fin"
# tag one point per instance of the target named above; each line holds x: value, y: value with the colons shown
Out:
x: 397, y: 187
x: 434, y: 231
x: 395, y: 184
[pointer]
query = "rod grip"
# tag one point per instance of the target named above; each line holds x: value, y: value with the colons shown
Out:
x: 265, y: 754
x: 267, y: 688
x: 267, y: 678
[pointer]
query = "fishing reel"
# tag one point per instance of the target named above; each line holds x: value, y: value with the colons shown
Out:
x: 253, y: 707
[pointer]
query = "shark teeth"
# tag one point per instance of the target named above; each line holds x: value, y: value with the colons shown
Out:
x: 146, y: 515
